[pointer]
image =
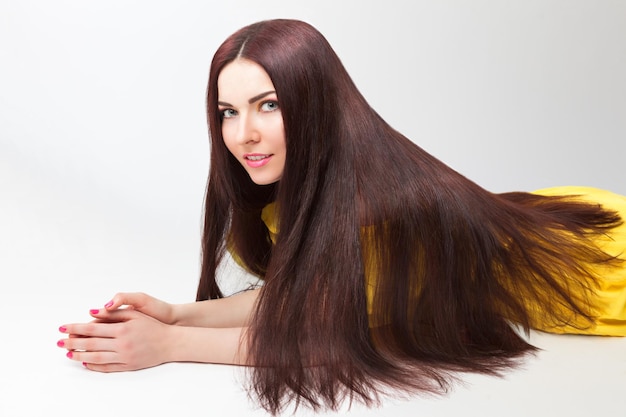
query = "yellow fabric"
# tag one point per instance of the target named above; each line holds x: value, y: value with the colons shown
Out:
x: 610, y: 300
x: 609, y: 303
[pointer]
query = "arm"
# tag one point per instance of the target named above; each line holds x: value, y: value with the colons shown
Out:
x: 126, y: 339
x: 151, y: 332
x: 231, y: 311
x: 212, y: 345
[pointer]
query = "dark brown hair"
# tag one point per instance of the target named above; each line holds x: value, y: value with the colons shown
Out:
x: 451, y: 264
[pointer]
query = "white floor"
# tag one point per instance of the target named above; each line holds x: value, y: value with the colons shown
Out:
x: 572, y: 376
x: 57, y: 262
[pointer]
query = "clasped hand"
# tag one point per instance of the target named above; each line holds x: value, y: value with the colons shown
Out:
x: 131, y: 332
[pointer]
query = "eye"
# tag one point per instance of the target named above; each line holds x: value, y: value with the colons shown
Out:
x: 270, y: 105
x: 227, y: 113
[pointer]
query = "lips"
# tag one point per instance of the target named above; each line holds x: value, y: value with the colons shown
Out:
x: 256, y: 160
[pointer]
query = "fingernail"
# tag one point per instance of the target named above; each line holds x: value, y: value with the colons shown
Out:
x: 85, y: 364
x: 70, y: 354
x: 109, y: 304
x: 94, y: 311
x: 60, y: 343
x: 62, y: 329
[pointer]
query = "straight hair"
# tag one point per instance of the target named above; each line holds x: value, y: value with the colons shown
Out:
x: 361, y: 209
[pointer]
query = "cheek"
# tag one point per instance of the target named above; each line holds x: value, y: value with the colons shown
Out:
x: 278, y: 136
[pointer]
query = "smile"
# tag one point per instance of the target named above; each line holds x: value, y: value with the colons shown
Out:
x: 256, y: 160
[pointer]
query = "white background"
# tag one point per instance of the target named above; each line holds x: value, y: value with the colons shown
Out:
x: 104, y: 157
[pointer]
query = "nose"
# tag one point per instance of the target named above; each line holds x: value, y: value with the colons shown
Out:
x: 247, y: 131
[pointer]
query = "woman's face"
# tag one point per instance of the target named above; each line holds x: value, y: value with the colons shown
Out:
x: 252, y: 125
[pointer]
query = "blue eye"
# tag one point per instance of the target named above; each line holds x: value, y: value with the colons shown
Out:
x: 228, y: 113
x: 270, y: 105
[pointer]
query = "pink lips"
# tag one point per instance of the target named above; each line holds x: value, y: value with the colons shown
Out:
x: 256, y: 160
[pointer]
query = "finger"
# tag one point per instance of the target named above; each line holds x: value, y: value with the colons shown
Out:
x: 95, y: 357
x: 93, y: 329
x: 102, y: 315
x: 114, y: 316
x: 108, y: 367
x: 107, y: 325
x: 134, y: 299
x: 88, y: 344
x: 64, y: 328
x: 71, y: 335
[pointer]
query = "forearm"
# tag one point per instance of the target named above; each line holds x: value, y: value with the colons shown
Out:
x: 209, y: 345
x: 229, y: 312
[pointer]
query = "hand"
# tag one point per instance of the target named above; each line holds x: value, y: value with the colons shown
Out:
x: 160, y: 310
x: 118, y: 340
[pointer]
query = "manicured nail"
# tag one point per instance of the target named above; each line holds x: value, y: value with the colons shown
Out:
x: 85, y: 364
x: 60, y: 343
x: 62, y: 329
x: 70, y: 354
x: 94, y: 311
x: 109, y: 304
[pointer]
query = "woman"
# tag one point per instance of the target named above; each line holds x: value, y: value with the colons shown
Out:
x: 383, y: 268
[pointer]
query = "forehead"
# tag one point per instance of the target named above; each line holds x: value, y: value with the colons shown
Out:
x: 242, y: 77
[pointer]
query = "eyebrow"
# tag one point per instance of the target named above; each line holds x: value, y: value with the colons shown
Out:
x: 251, y: 100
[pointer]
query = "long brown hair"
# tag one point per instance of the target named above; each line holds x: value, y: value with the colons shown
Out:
x: 450, y: 264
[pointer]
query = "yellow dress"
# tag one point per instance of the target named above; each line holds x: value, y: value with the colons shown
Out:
x: 610, y: 301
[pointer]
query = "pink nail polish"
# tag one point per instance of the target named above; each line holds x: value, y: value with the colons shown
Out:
x: 85, y: 364
x: 62, y: 329
x: 109, y: 304
x: 60, y: 343
x: 70, y: 354
x: 94, y: 311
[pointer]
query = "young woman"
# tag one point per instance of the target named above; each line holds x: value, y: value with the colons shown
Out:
x: 383, y: 268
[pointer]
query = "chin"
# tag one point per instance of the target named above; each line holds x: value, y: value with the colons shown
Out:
x: 264, y: 181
